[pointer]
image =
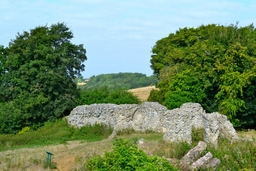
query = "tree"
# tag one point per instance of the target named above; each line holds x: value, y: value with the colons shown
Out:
x: 105, y: 95
x: 120, y: 81
x: 185, y: 87
x: 2, y: 71
x: 221, y: 64
x: 40, y: 68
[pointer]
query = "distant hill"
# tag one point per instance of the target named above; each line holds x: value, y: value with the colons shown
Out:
x: 120, y: 81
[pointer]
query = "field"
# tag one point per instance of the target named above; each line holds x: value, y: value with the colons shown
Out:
x: 143, y: 92
x: 72, y: 154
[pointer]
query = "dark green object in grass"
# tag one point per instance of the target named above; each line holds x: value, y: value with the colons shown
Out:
x: 49, y: 157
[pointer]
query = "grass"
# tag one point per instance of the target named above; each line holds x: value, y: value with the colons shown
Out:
x: 58, y: 132
x: 72, y: 148
x: 239, y: 155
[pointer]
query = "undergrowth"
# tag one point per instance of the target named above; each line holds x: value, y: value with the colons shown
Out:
x: 127, y: 156
x: 53, y: 133
x: 238, y: 155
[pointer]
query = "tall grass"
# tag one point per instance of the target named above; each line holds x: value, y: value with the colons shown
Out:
x: 54, y: 133
x: 237, y: 155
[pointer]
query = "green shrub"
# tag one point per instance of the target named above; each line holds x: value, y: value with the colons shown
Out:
x: 93, y: 96
x: 156, y: 96
x: 24, y: 130
x: 127, y: 156
x: 122, y: 97
x: 105, y: 95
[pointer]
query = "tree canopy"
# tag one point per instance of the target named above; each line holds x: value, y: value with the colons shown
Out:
x: 213, y: 65
x: 121, y: 81
x: 38, y: 70
x: 105, y: 95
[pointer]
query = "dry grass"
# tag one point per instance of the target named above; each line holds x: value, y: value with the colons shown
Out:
x: 70, y: 156
x: 142, y: 93
x: 66, y: 157
x: 251, y: 134
x: 74, y: 154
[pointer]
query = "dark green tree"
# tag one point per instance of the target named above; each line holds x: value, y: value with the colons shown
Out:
x: 40, y: 68
x: 213, y: 65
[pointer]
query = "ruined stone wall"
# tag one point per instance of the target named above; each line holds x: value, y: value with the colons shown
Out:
x: 176, y: 124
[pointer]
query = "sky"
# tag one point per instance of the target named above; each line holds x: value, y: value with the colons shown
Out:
x: 118, y: 35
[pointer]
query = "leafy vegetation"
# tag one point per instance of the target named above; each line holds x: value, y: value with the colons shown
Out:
x: 37, y: 70
x: 127, y: 156
x: 213, y: 65
x: 239, y: 155
x: 55, y: 132
x: 120, y: 81
x: 105, y: 95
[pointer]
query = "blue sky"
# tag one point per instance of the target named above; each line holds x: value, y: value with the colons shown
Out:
x: 119, y: 34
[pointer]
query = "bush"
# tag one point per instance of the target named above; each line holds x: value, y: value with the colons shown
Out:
x: 156, y: 96
x: 127, y: 156
x: 122, y: 97
x: 105, y: 95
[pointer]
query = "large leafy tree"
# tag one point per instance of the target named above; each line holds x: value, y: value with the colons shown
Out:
x: 213, y: 65
x: 40, y: 67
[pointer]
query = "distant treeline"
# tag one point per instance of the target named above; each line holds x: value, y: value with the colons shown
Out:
x: 120, y: 81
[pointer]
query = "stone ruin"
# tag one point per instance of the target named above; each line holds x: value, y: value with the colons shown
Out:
x: 193, y: 161
x: 176, y: 124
